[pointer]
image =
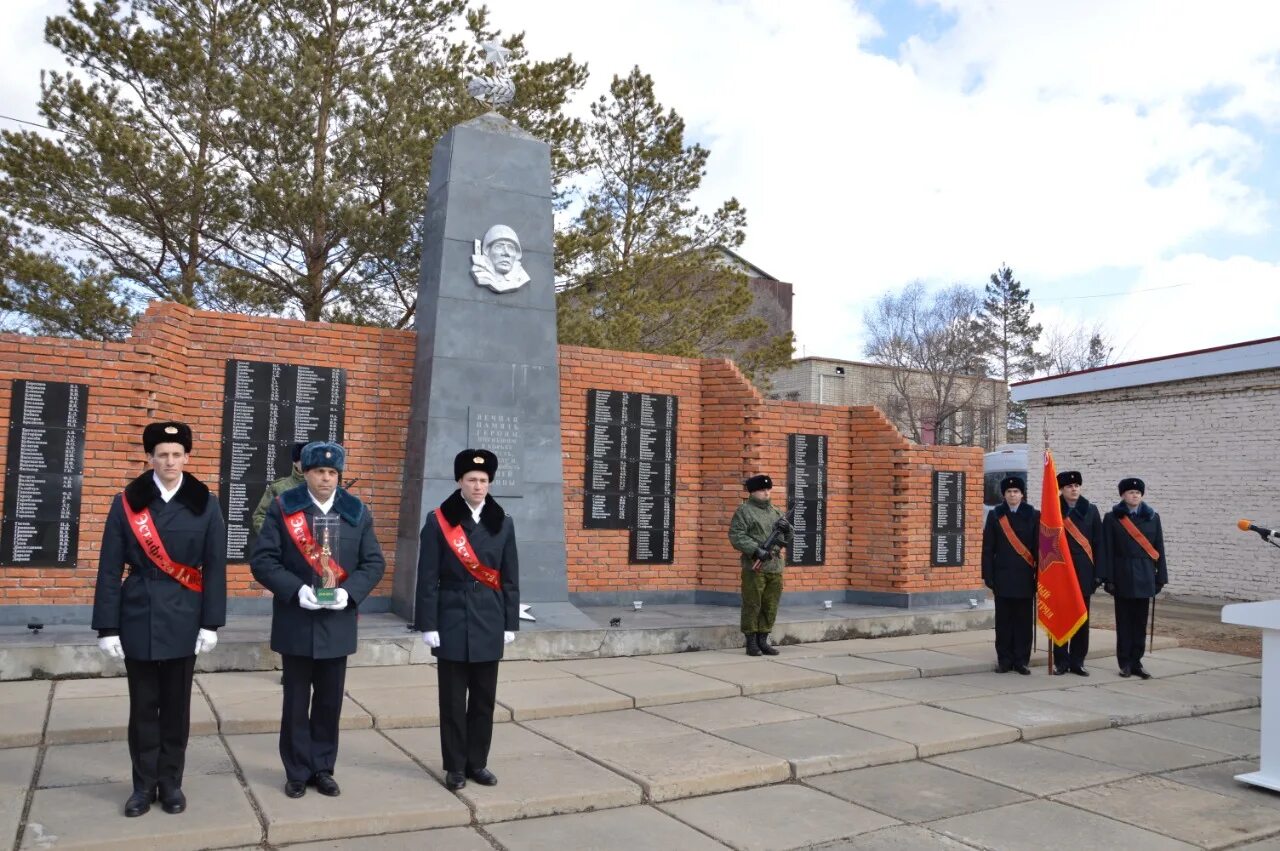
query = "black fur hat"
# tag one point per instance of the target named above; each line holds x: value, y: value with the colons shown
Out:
x: 1070, y: 477
x: 1013, y: 482
x: 758, y: 483
x: 1133, y: 484
x: 166, y: 432
x: 474, y: 459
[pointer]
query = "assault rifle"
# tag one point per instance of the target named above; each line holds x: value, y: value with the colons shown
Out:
x: 777, y: 535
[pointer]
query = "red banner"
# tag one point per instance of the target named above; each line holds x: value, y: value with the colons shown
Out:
x: 1059, y: 603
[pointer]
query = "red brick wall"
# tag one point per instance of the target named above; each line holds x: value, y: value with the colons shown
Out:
x: 173, y: 366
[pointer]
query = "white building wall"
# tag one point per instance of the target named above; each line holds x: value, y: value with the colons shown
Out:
x: 1209, y: 452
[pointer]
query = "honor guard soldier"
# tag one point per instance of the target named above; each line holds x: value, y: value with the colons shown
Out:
x: 278, y: 487
x: 1134, y: 571
x: 1085, y: 540
x: 318, y: 556
x: 1010, y: 539
x: 468, y: 609
x: 168, y: 530
x: 749, y: 532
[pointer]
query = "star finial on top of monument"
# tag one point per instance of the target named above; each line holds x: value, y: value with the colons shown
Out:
x: 497, y: 89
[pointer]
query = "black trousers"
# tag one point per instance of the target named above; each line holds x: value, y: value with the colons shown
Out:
x: 1071, y: 654
x: 1013, y: 631
x: 312, y: 709
x: 467, y: 694
x: 1131, y: 630
x: 159, y: 720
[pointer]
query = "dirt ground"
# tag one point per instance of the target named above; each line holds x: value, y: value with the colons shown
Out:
x: 1195, y: 623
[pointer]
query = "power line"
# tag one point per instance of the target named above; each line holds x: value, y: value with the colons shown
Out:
x: 37, y: 124
x: 1112, y: 295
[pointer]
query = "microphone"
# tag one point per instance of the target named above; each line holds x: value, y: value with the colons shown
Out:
x: 1246, y: 526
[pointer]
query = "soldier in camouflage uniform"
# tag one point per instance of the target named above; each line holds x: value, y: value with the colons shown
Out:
x: 761, y: 570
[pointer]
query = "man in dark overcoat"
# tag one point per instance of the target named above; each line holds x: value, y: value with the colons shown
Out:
x: 468, y: 609
x: 314, y: 639
x: 1134, y: 571
x: 168, y: 530
x: 1085, y: 540
x: 1010, y: 540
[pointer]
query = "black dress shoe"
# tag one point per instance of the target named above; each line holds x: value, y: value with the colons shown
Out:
x: 1142, y: 672
x: 295, y: 788
x: 483, y: 776
x: 139, y: 803
x: 325, y: 784
x: 1003, y: 668
x: 1059, y: 670
x: 1022, y: 669
x: 1124, y: 671
x: 1079, y: 671
x: 172, y: 801
x: 454, y: 780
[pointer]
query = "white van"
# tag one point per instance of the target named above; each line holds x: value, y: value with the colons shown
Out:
x: 1008, y: 459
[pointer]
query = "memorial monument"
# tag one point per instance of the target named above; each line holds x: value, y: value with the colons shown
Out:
x: 486, y: 372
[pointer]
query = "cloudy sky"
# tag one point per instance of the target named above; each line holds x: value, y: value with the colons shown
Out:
x: 1121, y: 156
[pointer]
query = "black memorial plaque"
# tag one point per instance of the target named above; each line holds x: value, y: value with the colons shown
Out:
x: 44, y: 473
x: 631, y: 470
x: 807, y: 497
x: 498, y: 430
x: 947, y: 511
x: 266, y: 408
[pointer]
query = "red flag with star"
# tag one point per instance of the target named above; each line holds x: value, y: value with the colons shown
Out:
x: 1059, y: 604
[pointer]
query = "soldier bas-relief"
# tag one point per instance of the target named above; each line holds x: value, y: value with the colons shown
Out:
x: 496, y: 261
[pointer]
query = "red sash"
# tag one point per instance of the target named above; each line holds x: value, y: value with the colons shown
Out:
x: 144, y: 529
x: 1074, y: 531
x: 456, y: 538
x: 1018, y: 547
x: 1136, y: 534
x: 300, y: 532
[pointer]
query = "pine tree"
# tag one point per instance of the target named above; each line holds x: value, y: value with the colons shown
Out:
x: 1009, y: 336
x: 638, y: 266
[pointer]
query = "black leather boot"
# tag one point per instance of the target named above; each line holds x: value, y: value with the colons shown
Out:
x: 762, y: 641
x: 753, y: 647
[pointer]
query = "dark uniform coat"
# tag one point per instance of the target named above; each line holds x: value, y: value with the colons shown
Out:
x: 1087, y: 519
x: 155, y: 616
x: 1128, y: 566
x: 1005, y: 572
x: 278, y: 564
x: 469, y: 616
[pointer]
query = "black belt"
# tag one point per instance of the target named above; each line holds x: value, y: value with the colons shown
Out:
x: 461, y: 584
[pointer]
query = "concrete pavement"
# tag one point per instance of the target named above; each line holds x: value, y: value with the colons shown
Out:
x: 895, y: 743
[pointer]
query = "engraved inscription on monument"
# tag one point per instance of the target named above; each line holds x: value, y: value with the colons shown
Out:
x: 44, y: 473
x: 266, y: 408
x: 807, y: 497
x: 948, y: 518
x: 498, y: 430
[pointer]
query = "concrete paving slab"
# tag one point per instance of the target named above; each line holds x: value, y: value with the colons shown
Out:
x: 17, y: 768
x: 108, y: 762
x: 382, y: 790
x: 523, y: 671
x: 960, y: 637
x: 640, y: 828
x: 904, y: 837
x: 91, y: 816
x: 606, y: 666
x: 931, y: 663
x: 95, y: 687
x: 916, y: 791
x: 1132, y: 750
x: 818, y: 746
x: 690, y: 764
x: 665, y: 685
x: 453, y: 838
x: 928, y: 689
x: 1195, y: 697
x: 1220, y: 777
x: 1248, y: 718
x: 551, y: 698
x: 932, y: 731
x: 1121, y: 707
x: 1188, y: 813
x: 759, y: 676
x: 1013, y: 683
x: 812, y: 817
x: 1036, y: 770
x: 25, y: 706
x: 833, y: 700
x: 1030, y: 713
x: 1035, y: 825
x: 246, y: 712
x: 855, y: 669
x: 587, y: 731
x: 1253, y: 669
x: 1161, y: 667
x: 1202, y: 658
x: 423, y: 743
x: 1215, y: 736
x: 409, y: 706
x: 391, y: 676
x: 728, y: 713
x: 697, y: 658
x: 233, y: 682
x: 102, y: 719
x: 1226, y: 679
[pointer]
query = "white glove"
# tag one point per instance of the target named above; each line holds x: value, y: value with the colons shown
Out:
x: 508, y: 637
x: 431, y: 639
x: 110, y: 645
x: 206, y: 640
x: 307, y: 599
x: 339, y: 600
